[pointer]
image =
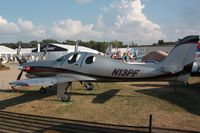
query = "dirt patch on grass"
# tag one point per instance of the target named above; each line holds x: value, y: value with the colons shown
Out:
x: 3, y: 68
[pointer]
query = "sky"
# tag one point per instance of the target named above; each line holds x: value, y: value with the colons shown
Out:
x: 138, y: 21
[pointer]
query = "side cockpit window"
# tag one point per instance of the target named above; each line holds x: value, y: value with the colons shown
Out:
x: 90, y: 59
x: 61, y: 59
x: 73, y: 58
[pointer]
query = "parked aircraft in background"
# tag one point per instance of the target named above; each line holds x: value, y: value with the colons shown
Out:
x: 195, y: 69
x: 89, y: 67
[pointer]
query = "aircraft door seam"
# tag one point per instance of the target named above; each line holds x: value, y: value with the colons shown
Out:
x: 83, y: 59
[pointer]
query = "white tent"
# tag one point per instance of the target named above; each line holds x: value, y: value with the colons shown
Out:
x: 25, y: 50
x: 71, y: 48
x: 55, y: 50
x: 6, y: 53
x: 157, y: 55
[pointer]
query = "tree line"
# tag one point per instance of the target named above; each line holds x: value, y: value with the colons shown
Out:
x: 162, y: 42
x: 97, y: 45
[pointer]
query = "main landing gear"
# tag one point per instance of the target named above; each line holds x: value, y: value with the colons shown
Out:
x: 62, y: 91
x: 66, y: 97
x: 88, y: 86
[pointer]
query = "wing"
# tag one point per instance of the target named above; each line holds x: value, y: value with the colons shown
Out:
x: 45, y: 82
x: 48, y: 81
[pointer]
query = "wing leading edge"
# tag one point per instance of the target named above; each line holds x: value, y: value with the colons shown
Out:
x: 48, y: 81
x: 45, y: 82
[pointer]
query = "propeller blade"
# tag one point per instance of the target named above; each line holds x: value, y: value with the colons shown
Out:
x: 76, y: 47
x: 25, y: 59
x: 19, y: 61
x: 38, y: 45
x: 45, y: 52
x: 19, y: 49
x: 20, y: 75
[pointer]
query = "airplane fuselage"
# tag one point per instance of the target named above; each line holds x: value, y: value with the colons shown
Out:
x: 98, y: 67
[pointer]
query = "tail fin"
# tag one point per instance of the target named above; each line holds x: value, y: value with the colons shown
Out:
x: 182, y: 56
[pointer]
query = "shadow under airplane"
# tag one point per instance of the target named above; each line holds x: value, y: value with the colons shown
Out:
x: 105, y: 96
x: 182, y: 98
x: 27, y: 96
x: 31, y: 95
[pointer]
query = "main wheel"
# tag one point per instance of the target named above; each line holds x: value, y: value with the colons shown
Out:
x: 89, y: 86
x: 65, y: 98
x: 42, y: 90
x: 186, y: 84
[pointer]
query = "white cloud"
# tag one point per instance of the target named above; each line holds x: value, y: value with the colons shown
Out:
x: 126, y: 23
x: 3, y: 21
x: 70, y: 27
x: 8, y: 27
x: 30, y: 29
x: 83, y: 2
x: 99, y: 23
x: 131, y: 11
x: 131, y: 23
x: 73, y: 29
x: 25, y: 24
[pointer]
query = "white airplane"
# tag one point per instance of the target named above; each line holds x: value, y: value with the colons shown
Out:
x: 23, y: 58
x: 89, y: 67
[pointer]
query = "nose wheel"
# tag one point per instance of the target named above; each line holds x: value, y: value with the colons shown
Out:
x: 66, y: 97
x: 63, y: 91
x: 186, y: 84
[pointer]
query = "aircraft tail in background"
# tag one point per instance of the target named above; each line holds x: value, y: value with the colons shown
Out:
x: 181, y: 56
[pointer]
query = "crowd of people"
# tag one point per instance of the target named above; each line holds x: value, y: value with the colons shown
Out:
x: 124, y: 56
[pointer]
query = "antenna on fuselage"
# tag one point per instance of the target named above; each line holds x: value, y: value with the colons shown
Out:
x: 38, y: 45
x: 109, y: 50
x: 45, y: 52
x: 19, y: 49
x: 76, y: 46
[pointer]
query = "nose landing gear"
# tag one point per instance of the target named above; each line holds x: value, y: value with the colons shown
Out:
x: 62, y: 91
x: 66, y: 97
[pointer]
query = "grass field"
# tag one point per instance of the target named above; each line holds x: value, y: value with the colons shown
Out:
x: 115, y: 103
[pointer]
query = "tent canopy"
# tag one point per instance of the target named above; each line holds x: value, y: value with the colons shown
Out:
x: 155, y: 55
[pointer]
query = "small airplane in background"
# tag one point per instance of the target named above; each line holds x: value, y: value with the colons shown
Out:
x: 23, y: 58
x: 88, y: 67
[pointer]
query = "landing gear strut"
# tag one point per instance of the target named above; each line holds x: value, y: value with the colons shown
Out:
x: 62, y: 91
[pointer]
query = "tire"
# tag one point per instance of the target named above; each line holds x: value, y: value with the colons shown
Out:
x: 186, y: 84
x: 42, y: 90
x: 89, y: 86
x: 65, y: 98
